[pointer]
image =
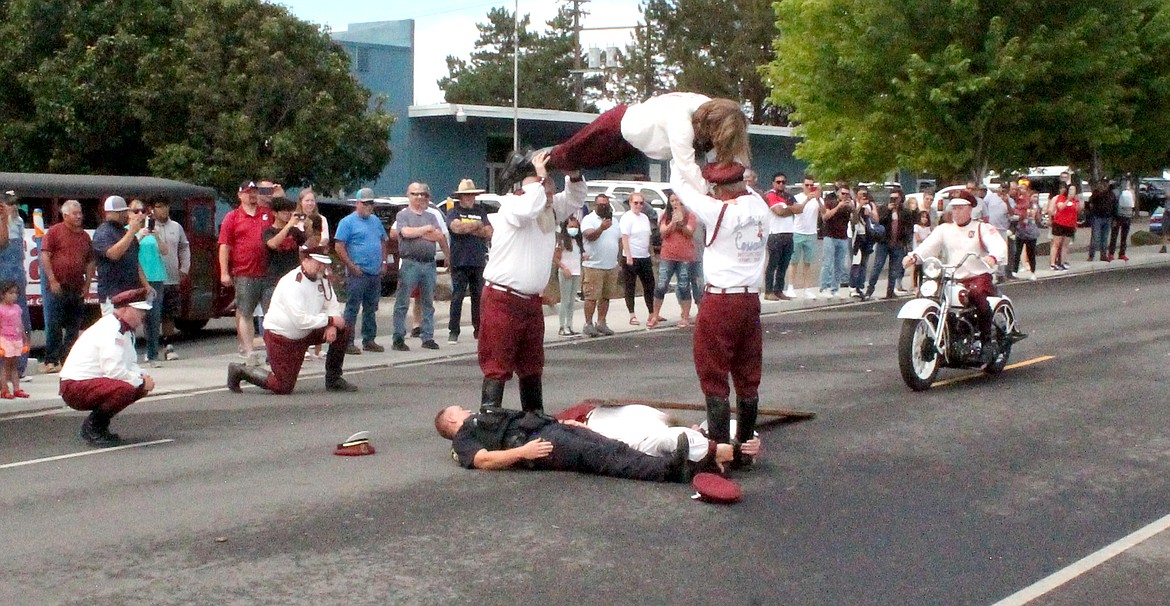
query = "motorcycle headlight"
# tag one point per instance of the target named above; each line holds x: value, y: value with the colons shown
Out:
x: 963, y: 297
x: 928, y: 288
x: 932, y: 268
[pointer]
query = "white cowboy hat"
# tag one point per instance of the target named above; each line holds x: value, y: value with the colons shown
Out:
x: 467, y: 186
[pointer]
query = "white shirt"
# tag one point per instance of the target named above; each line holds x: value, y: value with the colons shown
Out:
x: 104, y: 351
x: 660, y: 127
x: 572, y: 259
x: 806, y: 222
x: 522, y: 248
x: 737, y: 256
x: 178, y: 257
x: 601, y: 253
x: 300, y: 305
x: 776, y: 223
x: 996, y: 211
x: 636, y: 227
x: 974, y: 237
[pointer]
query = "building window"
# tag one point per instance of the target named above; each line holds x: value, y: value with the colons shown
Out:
x: 363, y: 59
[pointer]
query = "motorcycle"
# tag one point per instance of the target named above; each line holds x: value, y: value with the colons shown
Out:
x: 940, y: 328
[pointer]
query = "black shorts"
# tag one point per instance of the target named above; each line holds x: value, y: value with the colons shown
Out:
x: 1060, y: 230
x: 170, y: 301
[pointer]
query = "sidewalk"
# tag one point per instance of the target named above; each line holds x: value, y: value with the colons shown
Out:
x: 190, y: 375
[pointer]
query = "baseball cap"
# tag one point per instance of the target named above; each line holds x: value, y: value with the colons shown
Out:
x: 136, y: 298
x: 364, y: 194
x: 115, y: 204
x: 247, y: 186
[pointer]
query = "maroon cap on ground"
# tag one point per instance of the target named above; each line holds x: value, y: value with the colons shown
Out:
x: 714, y: 488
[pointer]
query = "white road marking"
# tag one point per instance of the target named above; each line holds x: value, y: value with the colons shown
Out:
x: 1089, y: 562
x: 83, y: 454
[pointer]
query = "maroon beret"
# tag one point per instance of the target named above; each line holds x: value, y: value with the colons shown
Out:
x: 577, y: 412
x: 964, y: 195
x: 714, y: 488
x: 723, y: 173
x: 130, y: 297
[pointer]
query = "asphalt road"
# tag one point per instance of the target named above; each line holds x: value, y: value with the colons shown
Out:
x: 962, y: 495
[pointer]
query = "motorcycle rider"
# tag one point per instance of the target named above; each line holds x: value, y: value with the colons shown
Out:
x: 958, y: 238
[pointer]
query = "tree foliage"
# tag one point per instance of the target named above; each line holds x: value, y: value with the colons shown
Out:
x: 714, y: 47
x: 957, y: 87
x: 545, y: 62
x: 208, y: 91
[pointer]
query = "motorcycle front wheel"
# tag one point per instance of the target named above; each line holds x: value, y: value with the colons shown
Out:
x: 999, y: 323
x: 917, y: 358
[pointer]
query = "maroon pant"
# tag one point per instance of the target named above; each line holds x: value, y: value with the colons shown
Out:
x: 597, y: 145
x: 286, y: 356
x: 511, y: 335
x: 979, y: 288
x: 110, y: 396
x: 728, y: 341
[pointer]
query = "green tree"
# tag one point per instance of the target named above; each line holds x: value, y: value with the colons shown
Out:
x: 208, y: 91
x: 954, y: 87
x: 714, y: 47
x: 544, y: 65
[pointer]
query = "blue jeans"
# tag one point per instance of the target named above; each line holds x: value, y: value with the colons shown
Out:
x: 834, y: 263
x: 698, y: 281
x: 668, y: 269
x: 465, y: 281
x: 413, y: 273
x: 881, y: 252
x: 153, y: 323
x: 1099, y: 239
x: 64, y: 313
x: 363, y: 291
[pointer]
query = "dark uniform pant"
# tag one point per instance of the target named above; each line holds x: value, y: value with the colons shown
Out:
x: 586, y: 451
x: 728, y: 341
x: 286, y: 356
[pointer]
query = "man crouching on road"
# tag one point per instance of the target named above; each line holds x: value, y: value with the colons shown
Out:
x: 499, y: 438
x: 304, y: 311
x: 101, y: 372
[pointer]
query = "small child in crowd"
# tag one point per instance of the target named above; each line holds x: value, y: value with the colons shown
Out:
x: 13, y: 342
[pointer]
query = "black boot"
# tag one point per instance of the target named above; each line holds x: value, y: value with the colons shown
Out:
x: 95, y: 430
x: 531, y: 394
x: 680, y: 469
x: 990, y: 351
x: 719, y: 419
x: 514, y: 170
x: 493, y: 393
x: 747, y: 409
x: 248, y: 374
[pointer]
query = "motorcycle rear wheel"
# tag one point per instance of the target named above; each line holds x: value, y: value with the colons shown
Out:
x: 916, y: 356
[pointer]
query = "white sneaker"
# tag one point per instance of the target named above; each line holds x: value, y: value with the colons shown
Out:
x: 898, y: 292
x: 824, y: 294
x: 809, y: 293
x: 790, y: 292
x: 1032, y: 276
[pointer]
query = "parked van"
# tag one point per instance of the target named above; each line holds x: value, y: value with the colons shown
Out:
x: 655, y: 192
x: 40, y: 197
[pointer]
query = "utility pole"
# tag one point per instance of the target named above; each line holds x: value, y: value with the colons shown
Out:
x: 578, y: 71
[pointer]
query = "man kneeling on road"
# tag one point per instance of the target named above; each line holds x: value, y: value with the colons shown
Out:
x: 304, y: 311
x: 500, y: 438
x: 101, y: 372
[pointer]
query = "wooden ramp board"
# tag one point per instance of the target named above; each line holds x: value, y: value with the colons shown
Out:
x: 778, y: 414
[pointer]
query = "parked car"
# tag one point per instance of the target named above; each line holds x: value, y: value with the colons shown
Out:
x: 655, y: 192
x: 1151, y: 194
x: 1156, y: 221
